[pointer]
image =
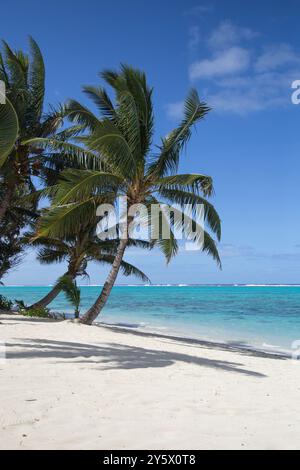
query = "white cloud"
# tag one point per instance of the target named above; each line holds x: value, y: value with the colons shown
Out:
x: 255, y: 92
x: 228, y: 250
x: 233, y: 60
x: 239, y: 79
x: 275, y: 57
x: 175, y: 110
x: 227, y: 34
x: 199, y: 10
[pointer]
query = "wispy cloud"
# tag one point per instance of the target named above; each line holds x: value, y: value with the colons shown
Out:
x: 276, y: 57
x: 175, y: 110
x: 233, y: 60
x: 228, y: 250
x: 255, y: 92
x: 228, y: 34
x: 241, y: 74
x: 199, y: 10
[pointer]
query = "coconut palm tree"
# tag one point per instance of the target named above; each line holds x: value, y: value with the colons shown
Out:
x: 11, y: 240
x: 120, y: 140
x: 22, y: 119
x: 9, y: 128
x: 78, y: 251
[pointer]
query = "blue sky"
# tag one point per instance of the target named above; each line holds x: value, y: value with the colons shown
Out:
x: 242, y: 57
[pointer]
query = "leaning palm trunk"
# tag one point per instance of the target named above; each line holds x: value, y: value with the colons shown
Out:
x: 96, y: 309
x: 45, y: 301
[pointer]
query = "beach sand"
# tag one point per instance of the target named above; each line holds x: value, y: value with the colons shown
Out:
x: 69, y: 386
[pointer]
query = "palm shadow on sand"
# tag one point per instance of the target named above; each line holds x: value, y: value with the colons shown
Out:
x: 115, y: 356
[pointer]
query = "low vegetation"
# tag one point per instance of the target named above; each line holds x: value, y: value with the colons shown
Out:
x: 5, y: 304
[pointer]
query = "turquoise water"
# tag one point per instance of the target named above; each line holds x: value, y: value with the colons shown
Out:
x: 266, y: 317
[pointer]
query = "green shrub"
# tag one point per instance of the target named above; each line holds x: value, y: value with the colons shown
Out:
x: 38, y: 312
x: 20, y: 304
x: 5, y: 304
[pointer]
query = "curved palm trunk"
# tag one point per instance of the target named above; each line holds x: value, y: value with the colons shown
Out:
x: 95, y: 310
x: 45, y: 301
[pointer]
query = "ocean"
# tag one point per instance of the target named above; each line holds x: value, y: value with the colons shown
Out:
x: 266, y: 317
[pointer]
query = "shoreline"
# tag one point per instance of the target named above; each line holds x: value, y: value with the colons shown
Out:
x: 70, y: 386
x: 152, y: 332
x: 207, y: 343
x: 263, y: 318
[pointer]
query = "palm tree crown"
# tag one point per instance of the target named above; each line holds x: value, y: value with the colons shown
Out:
x: 121, y: 161
x: 24, y: 78
x: 78, y: 251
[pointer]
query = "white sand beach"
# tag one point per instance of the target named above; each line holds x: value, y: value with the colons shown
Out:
x: 69, y: 386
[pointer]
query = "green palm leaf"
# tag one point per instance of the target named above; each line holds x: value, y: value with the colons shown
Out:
x: 71, y: 290
x: 36, y: 79
x: 79, y: 114
x: 188, y: 198
x: 61, y: 221
x: 109, y: 142
x: 80, y: 184
x: 101, y: 99
x: 9, y: 129
x: 171, y: 146
x: 82, y: 157
x: 168, y: 246
x: 127, y: 268
x: 189, y: 182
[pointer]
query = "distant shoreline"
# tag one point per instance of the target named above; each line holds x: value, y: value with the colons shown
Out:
x: 160, y: 285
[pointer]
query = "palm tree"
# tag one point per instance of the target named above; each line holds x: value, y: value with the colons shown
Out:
x: 22, y: 119
x: 120, y: 140
x: 11, y: 240
x: 78, y: 251
x: 71, y: 291
x: 9, y: 128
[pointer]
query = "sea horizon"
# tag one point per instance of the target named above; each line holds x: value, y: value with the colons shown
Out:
x: 165, y: 285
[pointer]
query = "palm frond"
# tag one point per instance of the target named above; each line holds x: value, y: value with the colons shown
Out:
x: 171, y: 146
x: 80, y: 156
x: 52, y: 121
x: 81, y: 115
x: 70, y: 289
x: 159, y: 220
x: 9, y: 129
x: 79, y: 185
x: 101, y: 99
x: 109, y: 142
x: 126, y: 268
x: 17, y: 74
x: 189, y: 198
x: 36, y: 79
x: 50, y: 256
x: 211, y: 249
x: 62, y: 221
x: 195, y: 183
x: 196, y: 233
